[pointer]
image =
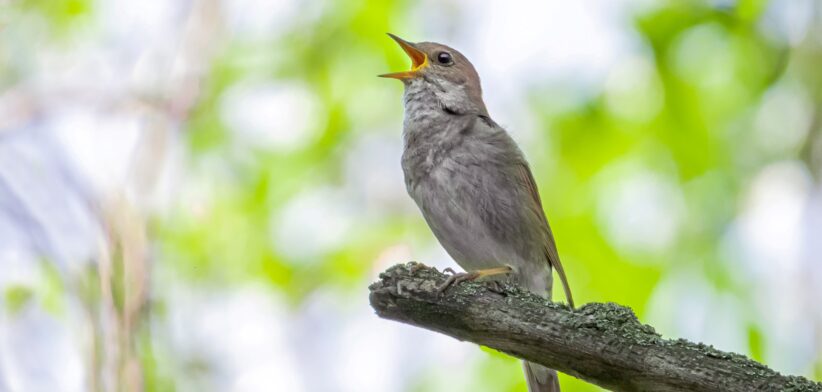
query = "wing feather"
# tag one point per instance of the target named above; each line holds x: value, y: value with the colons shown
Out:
x: 551, y: 253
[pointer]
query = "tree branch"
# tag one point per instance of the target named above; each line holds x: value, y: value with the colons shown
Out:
x: 603, y: 344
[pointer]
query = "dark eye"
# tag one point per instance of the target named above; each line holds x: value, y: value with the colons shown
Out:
x: 444, y: 58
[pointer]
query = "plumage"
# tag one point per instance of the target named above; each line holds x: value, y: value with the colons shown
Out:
x: 471, y: 181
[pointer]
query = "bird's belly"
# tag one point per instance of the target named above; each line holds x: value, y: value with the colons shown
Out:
x: 472, y: 248
x: 449, y: 207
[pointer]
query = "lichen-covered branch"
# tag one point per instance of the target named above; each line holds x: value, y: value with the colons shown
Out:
x: 600, y: 343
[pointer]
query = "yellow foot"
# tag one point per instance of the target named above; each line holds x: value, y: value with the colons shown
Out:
x: 458, y: 277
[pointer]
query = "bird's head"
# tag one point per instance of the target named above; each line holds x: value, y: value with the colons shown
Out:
x: 446, y: 71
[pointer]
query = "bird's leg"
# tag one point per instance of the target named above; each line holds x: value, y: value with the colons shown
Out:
x: 473, y: 275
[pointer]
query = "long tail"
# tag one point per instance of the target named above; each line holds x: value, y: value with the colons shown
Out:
x: 539, y: 378
x: 561, y: 272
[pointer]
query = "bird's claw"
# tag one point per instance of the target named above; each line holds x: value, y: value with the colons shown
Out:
x: 457, y: 278
x: 494, y: 286
x: 415, y: 266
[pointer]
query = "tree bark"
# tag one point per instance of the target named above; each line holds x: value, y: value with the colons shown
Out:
x: 601, y: 343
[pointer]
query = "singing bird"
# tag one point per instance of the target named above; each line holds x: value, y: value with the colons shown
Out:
x: 472, y: 183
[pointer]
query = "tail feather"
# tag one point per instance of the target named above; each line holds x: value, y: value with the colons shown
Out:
x: 567, y: 289
x: 539, y: 378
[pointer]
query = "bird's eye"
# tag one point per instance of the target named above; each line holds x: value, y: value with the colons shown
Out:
x: 444, y: 58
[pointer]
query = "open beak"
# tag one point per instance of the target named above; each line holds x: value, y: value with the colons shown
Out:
x: 418, y: 60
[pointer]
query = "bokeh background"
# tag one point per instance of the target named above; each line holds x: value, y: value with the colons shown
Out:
x: 195, y: 195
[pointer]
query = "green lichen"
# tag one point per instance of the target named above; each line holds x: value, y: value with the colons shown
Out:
x: 617, y: 320
x: 801, y: 384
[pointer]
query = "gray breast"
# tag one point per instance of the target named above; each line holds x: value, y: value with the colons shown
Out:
x: 457, y: 170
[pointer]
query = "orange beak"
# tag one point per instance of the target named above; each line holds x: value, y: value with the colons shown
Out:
x: 418, y: 60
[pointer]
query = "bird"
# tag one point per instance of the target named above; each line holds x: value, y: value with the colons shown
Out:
x: 472, y: 182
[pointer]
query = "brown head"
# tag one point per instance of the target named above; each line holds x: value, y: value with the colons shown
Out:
x: 445, y: 70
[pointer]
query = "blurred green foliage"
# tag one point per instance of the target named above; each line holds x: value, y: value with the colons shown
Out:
x: 62, y: 16
x: 710, y: 65
x: 16, y: 297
